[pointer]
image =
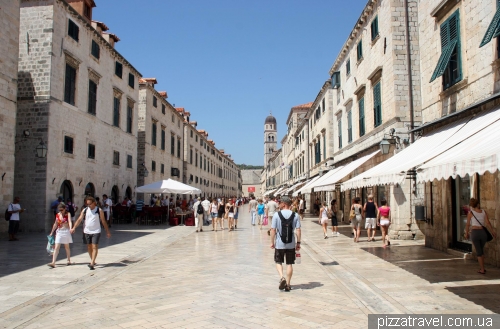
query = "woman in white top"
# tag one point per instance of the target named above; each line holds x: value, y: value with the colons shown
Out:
x: 62, y: 226
x: 213, y: 213
x: 476, y: 220
x: 323, y: 218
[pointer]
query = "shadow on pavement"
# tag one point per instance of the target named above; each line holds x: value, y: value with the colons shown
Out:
x: 29, y: 251
x: 488, y: 296
x: 306, y: 286
x: 432, y: 265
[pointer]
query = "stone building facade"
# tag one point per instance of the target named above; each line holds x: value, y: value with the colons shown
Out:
x: 9, y: 52
x: 79, y: 95
x: 251, y: 181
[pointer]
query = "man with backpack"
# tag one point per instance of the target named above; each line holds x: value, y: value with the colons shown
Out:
x: 198, y: 212
x: 285, y: 225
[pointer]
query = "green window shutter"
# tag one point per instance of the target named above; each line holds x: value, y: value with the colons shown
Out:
x: 324, y: 147
x: 493, y: 30
x: 360, y: 50
x: 349, y: 126
x: 377, y: 105
x: 339, y: 123
x: 361, y: 105
x: 374, y: 28
x: 450, y: 38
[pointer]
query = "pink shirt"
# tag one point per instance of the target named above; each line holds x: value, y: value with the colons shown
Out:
x: 384, y: 211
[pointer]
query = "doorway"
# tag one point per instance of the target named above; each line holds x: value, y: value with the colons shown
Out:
x: 461, y: 191
x: 66, y: 191
x: 114, y: 194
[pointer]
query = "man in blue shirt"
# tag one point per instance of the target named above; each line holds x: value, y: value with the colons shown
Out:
x: 282, y: 249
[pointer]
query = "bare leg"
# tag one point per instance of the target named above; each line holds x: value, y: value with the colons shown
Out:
x: 289, y: 272
x: 68, y: 252
x: 324, y: 228
x: 213, y: 223
x: 368, y: 233
x: 480, y: 260
x: 279, y: 267
x: 358, y: 233
x: 89, y: 250
x: 56, y: 252
x: 94, y: 254
x: 383, y: 228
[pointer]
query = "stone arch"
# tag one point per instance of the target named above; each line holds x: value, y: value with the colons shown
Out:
x: 128, y: 192
x: 66, y: 190
x: 115, y: 195
x: 90, y: 190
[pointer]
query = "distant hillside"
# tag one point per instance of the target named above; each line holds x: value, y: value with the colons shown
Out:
x: 244, y: 166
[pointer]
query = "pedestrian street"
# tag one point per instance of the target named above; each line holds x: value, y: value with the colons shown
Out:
x: 172, y: 277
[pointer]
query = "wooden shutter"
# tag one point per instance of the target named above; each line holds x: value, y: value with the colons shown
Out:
x: 450, y: 38
x: 493, y: 30
x: 361, y: 105
x: 92, y: 97
x: 377, y: 105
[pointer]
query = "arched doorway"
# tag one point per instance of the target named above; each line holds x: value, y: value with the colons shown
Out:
x: 66, y: 190
x: 128, y: 192
x: 114, y: 194
x: 90, y: 190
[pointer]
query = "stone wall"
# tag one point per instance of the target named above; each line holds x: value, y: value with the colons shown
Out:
x: 9, y: 53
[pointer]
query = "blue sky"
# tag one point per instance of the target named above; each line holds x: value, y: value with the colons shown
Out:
x: 231, y: 62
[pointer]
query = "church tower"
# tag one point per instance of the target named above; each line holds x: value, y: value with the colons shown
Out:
x: 270, y: 138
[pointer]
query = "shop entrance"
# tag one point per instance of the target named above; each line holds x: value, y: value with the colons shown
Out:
x: 461, y: 193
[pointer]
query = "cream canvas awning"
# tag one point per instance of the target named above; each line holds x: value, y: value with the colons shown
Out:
x: 394, y: 169
x: 269, y: 192
x: 329, y: 183
x: 309, y: 187
x: 296, y: 193
x: 302, y: 189
x: 477, y: 154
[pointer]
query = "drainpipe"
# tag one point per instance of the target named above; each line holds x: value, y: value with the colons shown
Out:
x: 408, y: 59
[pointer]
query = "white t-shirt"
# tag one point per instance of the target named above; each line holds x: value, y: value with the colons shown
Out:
x: 14, y: 207
x: 206, y: 205
x: 109, y: 204
x: 92, y: 221
x: 301, y: 204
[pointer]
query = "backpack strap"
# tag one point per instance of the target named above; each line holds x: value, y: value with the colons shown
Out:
x: 282, y: 218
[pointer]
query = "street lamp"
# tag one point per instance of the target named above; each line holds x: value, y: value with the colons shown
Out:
x: 41, y: 150
x: 145, y: 172
x: 384, y: 146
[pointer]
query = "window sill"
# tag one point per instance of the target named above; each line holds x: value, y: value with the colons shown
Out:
x: 116, y: 166
x: 359, y: 61
x: 95, y: 58
x: 68, y: 155
x: 91, y: 160
x: 374, y: 41
x: 453, y: 89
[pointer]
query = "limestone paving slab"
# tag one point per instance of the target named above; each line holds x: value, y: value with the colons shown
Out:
x: 152, y: 277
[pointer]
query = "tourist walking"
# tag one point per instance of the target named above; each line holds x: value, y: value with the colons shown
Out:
x: 323, y: 218
x: 206, y: 210
x: 271, y: 208
x: 213, y: 213
x: 107, y: 205
x: 221, y: 212
x: 261, y: 212
x: 198, y: 213
x: 335, y: 223
x: 384, y: 220
x: 301, y: 207
x: 477, y: 223
x: 14, y: 210
x: 139, y: 205
x: 286, y: 242
x: 92, y: 229
x: 230, y: 214
x: 357, y: 219
x: 252, y: 209
x: 62, y: 226
x: 237, y: 206
x: 370, y: 210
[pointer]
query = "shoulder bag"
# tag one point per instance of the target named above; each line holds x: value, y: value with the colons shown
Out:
x: 489, y: 237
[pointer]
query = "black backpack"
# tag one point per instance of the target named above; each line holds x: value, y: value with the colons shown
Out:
x: 286, y: 233
x: 8, y: 214
x: 199, y: 210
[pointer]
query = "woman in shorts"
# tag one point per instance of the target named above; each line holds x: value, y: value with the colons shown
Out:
x: 323, y: 218
x: 63, y: 224
x: 221, y: 211
x: 335, y: 224
x: 261, y: 211
x: 358, y: 218
x: 384, y: 220
x: 213, y: 214
x: 230, y: 214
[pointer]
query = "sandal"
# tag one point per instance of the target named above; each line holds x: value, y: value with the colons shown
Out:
x: 91, y: 267
x: 484, y: 272
x: 68, y: 263
x: 51, y: 265
x: 288, y: 288
x: 282, y: 283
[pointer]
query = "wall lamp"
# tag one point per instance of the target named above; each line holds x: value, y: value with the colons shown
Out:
x: 41, y: 149
x: 391, y: 138
x: 145, y: 172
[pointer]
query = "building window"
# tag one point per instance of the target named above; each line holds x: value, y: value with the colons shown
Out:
x: 155, y: 101
x: 449, y: 64
x: 196, y: 139
x: 153, y: 165
x: 70, y: 85
x: 118, y: 69
x: 339, y: 127
x: 348, y: 67
x: 361, y: 106
x: 163, y: 108
x: 95, y: 50
x: 190, y: 156
x: 162, y: 169
x: 172, y: 145
x: 336, y: 80
x: 374, y: 28
x: 87, y: 11
x: 178, y: 148
x: 73, y: 30
x: 163, y: 138
x: 323, y: 105
x: 360, y: 50
x: 204, y: 163
x: 92, y: 101
x: 377, y: 105
x: 191, y: 134
x: 153, y: 133
x: 91, y: 151
x: 196, y: 179
x: 196, y: 160
x: 116, y: 158
x: 68, y: 144
x: 349, y: 126
x: 129, y: 161
x: 116, y: 112
x: 129, y: 118
x: 324, y: 147
x: 173, y: 118
x: 131, y: 80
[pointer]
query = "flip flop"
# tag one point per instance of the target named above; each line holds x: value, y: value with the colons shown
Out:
x: 481, y: 272
x: 51, y: 265
x: 91, y: 267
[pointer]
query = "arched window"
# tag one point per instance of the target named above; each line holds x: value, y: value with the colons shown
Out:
x: 272, y: 137
x: 114, y: 194
x: 90, y: 190
x: 66, y: 191
x: 128, y: 192
x: 269, y: 138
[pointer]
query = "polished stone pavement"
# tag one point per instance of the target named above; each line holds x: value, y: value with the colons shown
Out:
x: 172, y: 277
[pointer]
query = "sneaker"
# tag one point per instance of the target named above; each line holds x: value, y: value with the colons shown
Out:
x: 282, y: 283
x: 338, y: 233
x: 333, y: 234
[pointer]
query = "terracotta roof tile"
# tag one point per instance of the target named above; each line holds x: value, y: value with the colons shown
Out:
x: 303, y: 106
x: 114, y: 36
x: 150, y: 80
x: 180, y: 109
x: 163, y: 94
x: 103, y: 26
x: 187, y: 113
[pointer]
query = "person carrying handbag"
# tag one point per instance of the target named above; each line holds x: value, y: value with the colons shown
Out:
x: 476, y: 227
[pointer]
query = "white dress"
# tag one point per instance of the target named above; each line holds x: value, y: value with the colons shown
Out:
x: 63, y: 235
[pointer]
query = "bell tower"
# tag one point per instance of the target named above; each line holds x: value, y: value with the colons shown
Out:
x: 270, y: 138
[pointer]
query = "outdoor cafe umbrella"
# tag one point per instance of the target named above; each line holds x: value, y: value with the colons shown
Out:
x: 168, y: 186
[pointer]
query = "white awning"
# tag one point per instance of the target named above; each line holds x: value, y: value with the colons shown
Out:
x: 477, y: 154
x: 278, y: 191
x: 310, y: 186
x: 329, y: 183
x: 269, y: 192
x: 291, y: 188
x: 394, y: 169
x: 302, y: 189
x: 296, y: 193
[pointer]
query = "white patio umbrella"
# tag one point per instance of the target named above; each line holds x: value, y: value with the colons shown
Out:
x: 168, y: 186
